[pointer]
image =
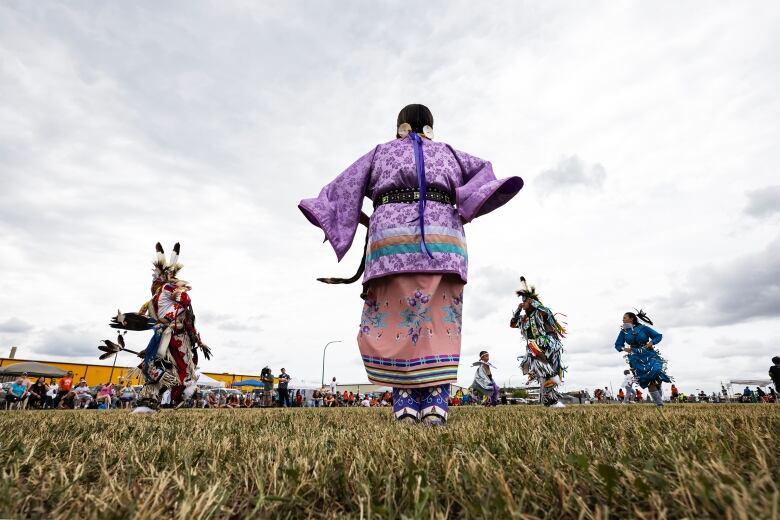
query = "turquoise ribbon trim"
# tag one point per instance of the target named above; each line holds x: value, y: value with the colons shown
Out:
x: 415, y: 248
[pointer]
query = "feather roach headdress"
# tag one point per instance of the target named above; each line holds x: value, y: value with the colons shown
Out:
x: 525, y: 292
x: 166, y: 269
x: 554, y: 326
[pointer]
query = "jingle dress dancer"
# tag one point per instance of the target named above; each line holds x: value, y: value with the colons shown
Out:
x: 542, y: 333
x: 415, y: 258
x: 483, y: 384
x: 647, y: 365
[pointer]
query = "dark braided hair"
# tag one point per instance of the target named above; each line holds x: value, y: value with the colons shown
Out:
x: 417, y: 116
x: 639, y: 315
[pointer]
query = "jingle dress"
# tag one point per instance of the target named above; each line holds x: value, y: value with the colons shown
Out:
x: 647, y: 365
x: 484, y: 384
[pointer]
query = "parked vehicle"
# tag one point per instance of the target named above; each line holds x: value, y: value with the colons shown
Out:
x: 516, y: 400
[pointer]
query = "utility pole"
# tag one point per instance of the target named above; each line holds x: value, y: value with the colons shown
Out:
x: 322, y: 383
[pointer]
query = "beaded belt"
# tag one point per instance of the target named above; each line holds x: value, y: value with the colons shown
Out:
x: 410, y: 195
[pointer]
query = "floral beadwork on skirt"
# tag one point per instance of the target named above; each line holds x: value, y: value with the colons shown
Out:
x: 410, y: 329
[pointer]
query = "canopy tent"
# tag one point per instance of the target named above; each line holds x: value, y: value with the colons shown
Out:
x: 303, y: 384
x: 249, y: 382
x: 750, y: 382
x: 31, y: 368
x: 747, y: 382
x: 361, y: 388
x: 209, y: 382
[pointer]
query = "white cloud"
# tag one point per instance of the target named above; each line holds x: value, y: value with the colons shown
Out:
x: 571, y: 173
x: 70, y: 340
x: 763, y: 202
x: 742, y: 290
x: 14, y: 326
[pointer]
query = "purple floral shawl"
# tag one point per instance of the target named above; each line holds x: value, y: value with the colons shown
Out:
x: 394, y: 234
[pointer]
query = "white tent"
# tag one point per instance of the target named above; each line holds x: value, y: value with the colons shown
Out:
x: 306, y: 388
x: 751, y: 382
x: 747, y: 382
x: 303, y: 384
x: 209, y: 382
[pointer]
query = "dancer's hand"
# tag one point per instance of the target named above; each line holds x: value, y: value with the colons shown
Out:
x: 626, y: 349
x: 649, y: 345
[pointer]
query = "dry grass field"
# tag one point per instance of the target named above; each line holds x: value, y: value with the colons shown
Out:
x: 686, y: 461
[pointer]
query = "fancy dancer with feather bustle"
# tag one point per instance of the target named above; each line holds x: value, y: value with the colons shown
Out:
x: 414, y: 262
x: 484, y: 384
x: 543, y: 334
x: 638, y: 341
x: 171, y: 357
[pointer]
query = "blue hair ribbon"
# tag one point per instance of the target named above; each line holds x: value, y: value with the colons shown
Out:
x: 420, y: 166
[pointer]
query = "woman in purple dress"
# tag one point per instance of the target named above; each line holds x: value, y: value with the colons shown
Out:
x: 415, y: 261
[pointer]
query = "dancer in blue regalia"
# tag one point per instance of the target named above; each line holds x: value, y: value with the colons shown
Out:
x: 647, y: 365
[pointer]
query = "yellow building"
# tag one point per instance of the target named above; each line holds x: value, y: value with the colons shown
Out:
x: 98, y: 374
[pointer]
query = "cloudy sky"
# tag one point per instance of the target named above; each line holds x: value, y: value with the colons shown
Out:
x: 646, y: 134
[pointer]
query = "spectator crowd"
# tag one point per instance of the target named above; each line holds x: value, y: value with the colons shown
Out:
x: 748, y: 395
x: 64, y: 393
